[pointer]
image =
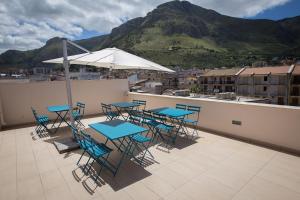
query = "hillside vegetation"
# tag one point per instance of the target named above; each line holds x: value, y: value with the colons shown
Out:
x: 180, y: 33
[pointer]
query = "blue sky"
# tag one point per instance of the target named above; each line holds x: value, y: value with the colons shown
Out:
x: 289, y: 9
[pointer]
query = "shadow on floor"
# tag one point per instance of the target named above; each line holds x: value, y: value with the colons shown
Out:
x: 131, y: 170
x: 128, y: 174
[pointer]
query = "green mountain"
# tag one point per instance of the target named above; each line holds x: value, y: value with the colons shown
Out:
x: 180, y: 33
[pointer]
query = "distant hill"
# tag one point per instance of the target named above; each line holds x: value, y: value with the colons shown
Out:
x: 180, y: 33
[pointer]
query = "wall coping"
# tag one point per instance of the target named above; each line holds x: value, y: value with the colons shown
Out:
x: 221, y: 101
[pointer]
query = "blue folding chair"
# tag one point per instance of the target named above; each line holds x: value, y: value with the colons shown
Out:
x: 141, y: 142
x: 192, y: 120
x: 108, y: 112
x: 98, y: 152
x: 42, y: 122
x: 157, y: 123
x: 78, y: 113
x: 138, y: 111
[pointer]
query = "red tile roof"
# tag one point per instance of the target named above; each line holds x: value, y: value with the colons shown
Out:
x: 265, y: 70
x: 296, y: 70
x: 222, y: 72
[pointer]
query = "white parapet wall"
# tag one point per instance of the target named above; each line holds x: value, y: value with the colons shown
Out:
x: 274, y: 125
x: 17, y: 98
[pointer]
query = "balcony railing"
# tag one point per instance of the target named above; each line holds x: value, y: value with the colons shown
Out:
x: 218, y: 82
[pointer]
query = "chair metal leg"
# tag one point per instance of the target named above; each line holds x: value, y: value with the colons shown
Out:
x: 90, y: 166
x: 87, y: 163
x: 80, y: 157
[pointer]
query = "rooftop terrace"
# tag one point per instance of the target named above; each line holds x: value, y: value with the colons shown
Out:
x: 210, y: 167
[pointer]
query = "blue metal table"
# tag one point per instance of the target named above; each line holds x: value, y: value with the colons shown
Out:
x: 175, y: 115
x: 61, y: 112
x: 172, y: 112
x: 118, y: 130
x: 126, y: 107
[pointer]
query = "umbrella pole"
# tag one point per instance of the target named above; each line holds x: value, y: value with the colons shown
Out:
x: 68, y: 82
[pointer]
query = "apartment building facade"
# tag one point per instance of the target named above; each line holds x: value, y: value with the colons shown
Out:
x: 294, y: 90
x: 265, y: 82
x: 278, y: 84
x: 219, y: 80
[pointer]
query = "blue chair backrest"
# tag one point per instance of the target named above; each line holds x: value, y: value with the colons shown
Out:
x: 80, y: 106
x: 181, y: 106
x: 147, y: 114
x: 195, y: 109
x: 81, y: 137
x: 159, y: 117
x: 105, y: 108
x: 36, y: 116
x: 75, y: 133
x: 142, y: 103
x: 34, y: 112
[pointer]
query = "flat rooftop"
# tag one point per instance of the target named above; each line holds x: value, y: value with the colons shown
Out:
x: 210, y: 167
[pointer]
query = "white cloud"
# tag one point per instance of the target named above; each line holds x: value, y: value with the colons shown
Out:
x: 27, y: 24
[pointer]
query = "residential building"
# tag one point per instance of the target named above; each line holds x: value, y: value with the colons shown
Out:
x: 219, y: 80
x: 182, y: 79
x: 265, y: 82
x: 187, y: 78
x: 294, y: 98
x: 41, y: 70
x: 84, y: 74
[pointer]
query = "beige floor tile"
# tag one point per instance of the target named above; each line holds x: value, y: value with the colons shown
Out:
x: 30, y: 189
x: 8, y: 176
x: 52, y: 179
x: 60, y: 192
x: 39, y: 147
x: 121, y: 194
x: 8, y: 191
x: 161, y: 155
x: 72, y: 174
x: 199, y: 162
x: 174, y: 179
x: 27, y: 171
x: 216, y: 153
x: 282, y: 174
x: 177, y: 195
x: 8, y: 149
x: 80, y: 192
x: 42, y: 154
x: 25, y: 158
x: 260, y: 189
x: 288, y: 162
x: 7, y: 162
x: 232, y: 177
x: 46, y: 164
x: 241, y: 162
x: 139, y: 191
x: 258, y: 153
x: 204, y: 187
x: 184, y: 170
x: 103, y: 185
x: 158, y: 185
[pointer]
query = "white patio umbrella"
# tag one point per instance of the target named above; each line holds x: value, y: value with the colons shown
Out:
x: 112, y: 58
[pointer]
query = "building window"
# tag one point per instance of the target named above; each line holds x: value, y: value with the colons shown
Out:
x: 266, y: 78
x: 265, y: 88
